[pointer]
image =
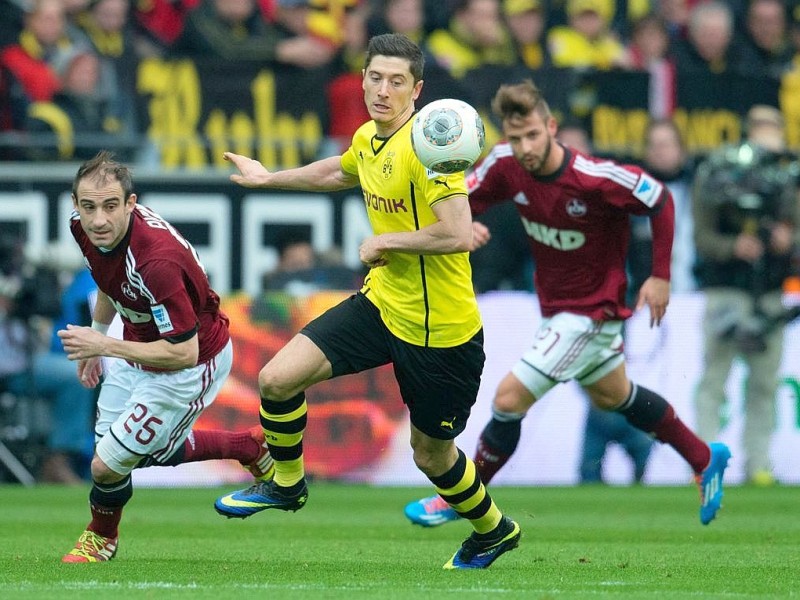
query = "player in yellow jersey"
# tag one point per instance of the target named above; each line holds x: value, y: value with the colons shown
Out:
x: 416, y: 310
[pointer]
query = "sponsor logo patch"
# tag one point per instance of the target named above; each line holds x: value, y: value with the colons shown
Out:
x: 648, y: 190
x: 161, y: 316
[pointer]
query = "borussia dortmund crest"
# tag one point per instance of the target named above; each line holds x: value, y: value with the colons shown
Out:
x: 388, y: 165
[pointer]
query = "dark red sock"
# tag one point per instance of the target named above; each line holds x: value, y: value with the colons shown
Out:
x: 488, y: 461
x: 671, y: 430
x: 105, y: 521
x: 213, y: 444
x: 106, y: 501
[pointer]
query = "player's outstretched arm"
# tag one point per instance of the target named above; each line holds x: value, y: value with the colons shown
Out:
x: 323, y: 175
x: 655, y: 294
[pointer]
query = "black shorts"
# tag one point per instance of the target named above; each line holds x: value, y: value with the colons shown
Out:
x: 439, y: 385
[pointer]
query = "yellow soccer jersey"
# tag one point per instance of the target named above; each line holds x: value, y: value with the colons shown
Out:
x: 569, y: 48
x: 426, y: 300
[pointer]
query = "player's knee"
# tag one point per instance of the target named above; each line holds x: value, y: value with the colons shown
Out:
x: 431, y: 463
x: 101, y: 473
x: 433, y: 457
x: 606, y: 397
x: 270, y: 385
x: 511, y: 401
x: 423, y: 460
x: 512, y: 397
x: 605, y: 401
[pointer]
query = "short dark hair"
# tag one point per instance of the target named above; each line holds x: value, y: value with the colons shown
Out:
x: 520, y: 100
x: 104, y: 166
x: 396, y: 44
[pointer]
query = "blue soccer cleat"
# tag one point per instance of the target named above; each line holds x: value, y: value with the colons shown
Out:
x: 261, y: 496
x: 710, y: 482
x: 480, y: 551
x: 430, y: 512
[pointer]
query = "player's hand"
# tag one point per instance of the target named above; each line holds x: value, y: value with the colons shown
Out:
x: 81, y: 343
x: 89, y: 371
x: 655, y: 294
x: 480, y: 236
x: 371, y: 254
x: 252, y: 173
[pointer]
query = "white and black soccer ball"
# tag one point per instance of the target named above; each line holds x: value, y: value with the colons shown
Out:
x: 448, y: 136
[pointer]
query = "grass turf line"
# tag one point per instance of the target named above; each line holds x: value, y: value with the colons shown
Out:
x: 353, y: 542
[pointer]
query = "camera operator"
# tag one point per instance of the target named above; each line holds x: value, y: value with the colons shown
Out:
x: 31, y: 366
x: 745, y: 209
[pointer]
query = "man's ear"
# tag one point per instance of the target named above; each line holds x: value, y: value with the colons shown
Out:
x: 417, y: 89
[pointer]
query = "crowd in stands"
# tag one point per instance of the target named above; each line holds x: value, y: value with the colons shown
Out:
x: 69, y: 66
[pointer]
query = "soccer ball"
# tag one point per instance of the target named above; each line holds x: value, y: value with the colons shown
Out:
x: 448, y: 136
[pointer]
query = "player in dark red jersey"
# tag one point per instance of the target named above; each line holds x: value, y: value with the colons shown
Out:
x: 175, y: 352
x: 575, y: 209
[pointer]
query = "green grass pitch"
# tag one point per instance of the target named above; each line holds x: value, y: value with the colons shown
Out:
x: 352, y: 541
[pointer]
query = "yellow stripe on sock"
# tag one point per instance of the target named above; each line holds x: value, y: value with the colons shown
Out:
x: 289, y: 472
x: 464, y: 483
x: 484, y: 523
x: 288, y: 417
x: 489, y: 521
x: 284, y: 440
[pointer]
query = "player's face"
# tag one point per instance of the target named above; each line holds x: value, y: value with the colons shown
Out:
x: 389, y: 92
x: 105, y: 213
x: 531, y: 139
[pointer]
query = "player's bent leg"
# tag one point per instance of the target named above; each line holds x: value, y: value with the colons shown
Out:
x: 651, y: 413
x: 710, y: 482
x: 111, y: 490
x: 431, y: 456
x: 100, y: 540
x: 496, y: 444
x: 494, y: 533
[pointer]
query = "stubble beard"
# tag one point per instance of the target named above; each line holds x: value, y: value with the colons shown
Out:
x: 538, y: 168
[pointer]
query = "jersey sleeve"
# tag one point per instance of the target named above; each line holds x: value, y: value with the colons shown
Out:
x: 636, y: 191
x: 349, y: 161
x: 486, y: 184
x: 440, y: 187
x: 171, y: 306
x: 662, y: 224
x: 631, y: 188
x: 359, y: 143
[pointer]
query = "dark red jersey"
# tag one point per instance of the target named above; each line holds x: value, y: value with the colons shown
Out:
x: 157, y: 284
x: 577, y: 221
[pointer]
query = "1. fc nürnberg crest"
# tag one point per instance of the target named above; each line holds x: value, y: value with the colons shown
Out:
x: 576, y: 208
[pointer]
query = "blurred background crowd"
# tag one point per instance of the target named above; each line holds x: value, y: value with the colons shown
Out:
x: 76, y: 69
x: 171, y: 84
